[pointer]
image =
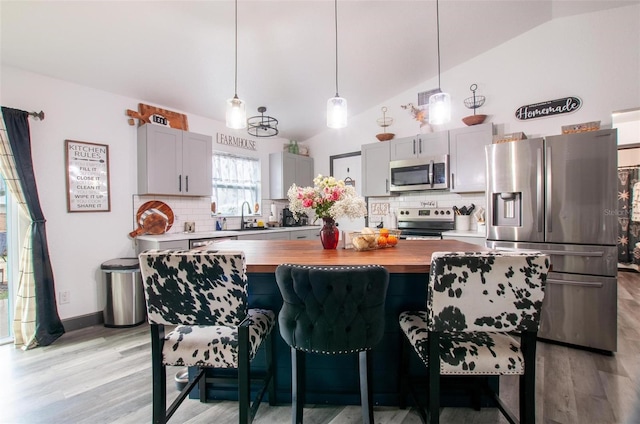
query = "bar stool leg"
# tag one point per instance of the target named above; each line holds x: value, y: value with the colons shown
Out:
x: 366, y: 395
x: 297, y: 385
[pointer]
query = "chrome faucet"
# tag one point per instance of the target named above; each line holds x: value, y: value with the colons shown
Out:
x: 242, y: 224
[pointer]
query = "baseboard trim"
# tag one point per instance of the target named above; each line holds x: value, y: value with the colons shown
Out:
x: 83, y: 321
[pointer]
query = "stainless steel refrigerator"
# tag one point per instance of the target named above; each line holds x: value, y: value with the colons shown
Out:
x: 558, y: 195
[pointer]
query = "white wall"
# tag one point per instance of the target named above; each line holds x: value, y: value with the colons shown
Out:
x: 593, y: 56
x: 80, y: 242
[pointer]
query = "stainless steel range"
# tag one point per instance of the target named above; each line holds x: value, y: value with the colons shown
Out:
x: 425, y: 223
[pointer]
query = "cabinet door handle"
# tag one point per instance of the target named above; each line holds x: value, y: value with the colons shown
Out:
x: 180, y: 182
x: 386, y: 183
x: 186, y: 183
x: 452, y: 184
x: 414, y: 146
x: 420, y: 146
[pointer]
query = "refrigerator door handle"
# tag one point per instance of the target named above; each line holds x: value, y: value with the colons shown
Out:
x: 574, y: 283
x: 549, y: 189
x: 539, y: 191
x: 572, y: 253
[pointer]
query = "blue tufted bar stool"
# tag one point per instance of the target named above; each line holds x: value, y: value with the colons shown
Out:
x: 332, y: 310
x: 204, y: 294
x: 476, y: 304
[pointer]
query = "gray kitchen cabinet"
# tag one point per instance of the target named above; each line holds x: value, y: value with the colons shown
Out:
x: 173, y: 162
x: 467, y: 160
x: 286, y: 169
x: 375, y: 169
x: 142, y: 245
x: 265, y: 235
x: 431, y: 144
x: 473, y: 239
x: 305, y: 234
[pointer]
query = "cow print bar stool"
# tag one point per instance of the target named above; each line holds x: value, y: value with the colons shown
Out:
x: 204, y: 294
x: 475, y: 302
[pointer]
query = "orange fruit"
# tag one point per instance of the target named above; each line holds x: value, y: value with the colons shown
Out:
x: 392, y: 240
x: 384, y: 232
x: 382, y: 241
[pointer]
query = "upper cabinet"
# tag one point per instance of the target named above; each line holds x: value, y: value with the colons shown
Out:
x: 375, y: 169
x: 467, y: 160
x: 286, y: 169
x: 431, y: 144
x: 173, y: 162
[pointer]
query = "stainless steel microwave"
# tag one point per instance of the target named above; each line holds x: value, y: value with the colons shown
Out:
x: 424, y: 173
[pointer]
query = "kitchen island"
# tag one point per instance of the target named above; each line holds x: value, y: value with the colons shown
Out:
x: 334, y: 379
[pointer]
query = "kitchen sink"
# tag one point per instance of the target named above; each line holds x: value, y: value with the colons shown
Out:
x: 252, y: 229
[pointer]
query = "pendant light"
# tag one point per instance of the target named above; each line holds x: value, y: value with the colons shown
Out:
x: 336, y: 106
x: 236, y: 109
x: 439, y: 103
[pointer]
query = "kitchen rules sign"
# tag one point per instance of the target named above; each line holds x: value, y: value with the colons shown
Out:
x: 87, y: 177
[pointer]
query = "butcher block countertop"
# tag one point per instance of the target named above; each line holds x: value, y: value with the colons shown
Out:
x: 408, y: 256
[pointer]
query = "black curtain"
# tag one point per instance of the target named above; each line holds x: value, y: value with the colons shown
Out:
x: 628, y: 230
x: 48, y: 324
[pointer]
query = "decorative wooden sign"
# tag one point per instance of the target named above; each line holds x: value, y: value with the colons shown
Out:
x: 155, y: 115
x: 549, y: 108
x: 87, y: 177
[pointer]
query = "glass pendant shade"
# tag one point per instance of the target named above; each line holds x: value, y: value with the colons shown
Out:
x: 236, y: 114
x: 336, y: 112
x: 439, y: 108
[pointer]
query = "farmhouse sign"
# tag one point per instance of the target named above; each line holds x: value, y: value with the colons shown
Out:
x: 549, y: 108
x: 231, y: 140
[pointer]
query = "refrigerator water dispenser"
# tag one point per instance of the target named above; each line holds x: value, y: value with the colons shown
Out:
x: 507, y: 209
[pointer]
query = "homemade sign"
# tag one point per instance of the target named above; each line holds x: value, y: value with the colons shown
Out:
x: 155, y: 115
x: 87, y: 177
x: 548, y: 108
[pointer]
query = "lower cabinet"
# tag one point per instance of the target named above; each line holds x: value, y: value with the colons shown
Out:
x: 480, y: 241
x: 142, y: 245
x: 266, y: 235
x: 305, y: 234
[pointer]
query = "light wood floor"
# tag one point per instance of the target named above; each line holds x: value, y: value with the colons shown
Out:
x: 99, y: 375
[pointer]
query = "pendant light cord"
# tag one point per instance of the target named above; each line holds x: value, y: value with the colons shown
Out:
x: 438, y: 38
x: 336, y: 22
x: 235, y: 89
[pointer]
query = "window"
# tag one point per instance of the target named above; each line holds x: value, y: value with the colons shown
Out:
x: 236, y: 179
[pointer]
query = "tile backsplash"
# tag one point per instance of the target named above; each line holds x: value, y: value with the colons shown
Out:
x: 198, y: 210
x: 430, y: 199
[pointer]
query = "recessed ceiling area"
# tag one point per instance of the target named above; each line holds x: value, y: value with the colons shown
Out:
x: 180, y: 54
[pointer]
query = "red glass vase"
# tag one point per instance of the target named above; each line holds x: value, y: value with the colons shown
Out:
x: 329, y: 233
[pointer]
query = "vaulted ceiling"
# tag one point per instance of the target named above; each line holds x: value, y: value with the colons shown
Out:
x: 180, y: 54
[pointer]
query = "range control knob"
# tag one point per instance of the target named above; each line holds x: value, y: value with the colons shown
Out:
x: 448, y: 212
x: 436, y: 212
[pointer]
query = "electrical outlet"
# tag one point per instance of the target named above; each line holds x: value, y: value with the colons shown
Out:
x: 64, y: 297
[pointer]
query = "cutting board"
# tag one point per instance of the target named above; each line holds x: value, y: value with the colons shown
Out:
x: 153, y: 217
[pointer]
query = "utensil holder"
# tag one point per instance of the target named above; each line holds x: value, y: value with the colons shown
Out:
x: 463, y: 222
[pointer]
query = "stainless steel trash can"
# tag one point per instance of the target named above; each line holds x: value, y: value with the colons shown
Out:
x: 125, y: 305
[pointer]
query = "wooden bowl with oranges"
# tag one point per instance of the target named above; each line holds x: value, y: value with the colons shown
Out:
x: 370, y: 239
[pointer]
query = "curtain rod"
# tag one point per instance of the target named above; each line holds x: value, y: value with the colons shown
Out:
x: 39, y: 115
